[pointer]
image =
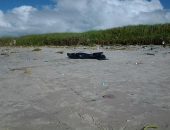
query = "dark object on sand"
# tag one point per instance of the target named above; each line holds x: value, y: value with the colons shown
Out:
x: 109, y: 96
x: 37, y: 49
x: 151, y: 54
x: 4, y: 54
x: 60, y: 52
x: 97, y: 55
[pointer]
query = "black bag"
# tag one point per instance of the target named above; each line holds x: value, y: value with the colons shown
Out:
x: 97, y: 55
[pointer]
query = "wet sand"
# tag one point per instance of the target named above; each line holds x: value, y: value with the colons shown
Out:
x: 44, y: 90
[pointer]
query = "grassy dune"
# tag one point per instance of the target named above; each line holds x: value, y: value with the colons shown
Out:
x: 129, y: 35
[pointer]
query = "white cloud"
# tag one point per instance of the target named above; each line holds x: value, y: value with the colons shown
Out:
x: 3, y: 22
x: 81, y: 15
x: 23, y: 12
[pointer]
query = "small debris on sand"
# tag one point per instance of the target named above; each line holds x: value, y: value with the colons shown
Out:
x: 109, y: 96
x: 151, y: 54
x: 4, y: 54
x: 104, y: 84
x: 14, y: 52
x: 163, y: 44
x: 138, y: 63
x: 27, y: 71
x: 150, y: 127
x: 60, y: 52
x: 37, y: 49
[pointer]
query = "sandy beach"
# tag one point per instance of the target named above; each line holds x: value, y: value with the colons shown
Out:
x: 44, y: 90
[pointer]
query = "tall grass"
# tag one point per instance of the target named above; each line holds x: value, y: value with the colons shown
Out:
x: 129, y: 35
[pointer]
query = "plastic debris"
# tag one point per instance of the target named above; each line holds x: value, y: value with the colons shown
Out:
x: 150, y: 127
x: 97, y: 55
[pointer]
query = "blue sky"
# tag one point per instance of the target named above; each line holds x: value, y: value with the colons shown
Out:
x: 166, y: 3
x: 21, y: 17
x: 9, y: 4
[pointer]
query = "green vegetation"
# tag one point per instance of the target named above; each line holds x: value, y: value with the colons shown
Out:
x: 129, y: 35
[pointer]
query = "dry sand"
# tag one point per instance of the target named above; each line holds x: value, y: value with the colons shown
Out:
x: 45, y: 90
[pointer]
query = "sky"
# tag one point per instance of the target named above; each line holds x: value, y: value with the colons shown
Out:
x: 22, y: 17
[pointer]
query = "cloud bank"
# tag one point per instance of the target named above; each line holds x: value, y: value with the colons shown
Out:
x: 81, y: 15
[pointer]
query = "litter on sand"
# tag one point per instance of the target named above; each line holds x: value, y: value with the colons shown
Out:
x: 151, y: 54
x: 138, y: 63
x: 60, y: 52
x: 97, y: 55
x: 109, y: 96
x: 37, y: 49
x: 148, y: 127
